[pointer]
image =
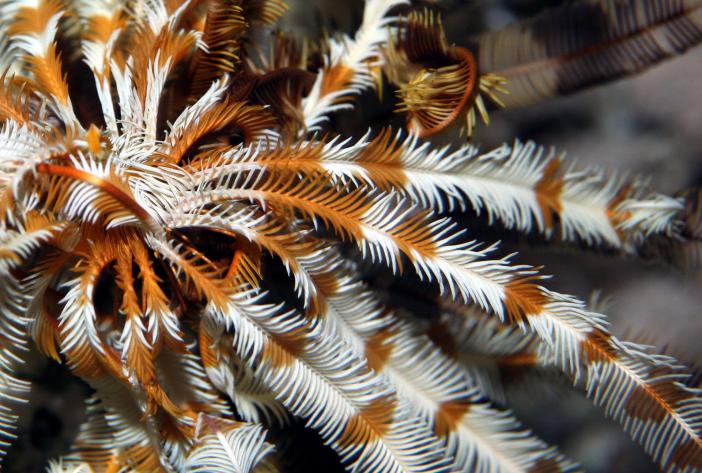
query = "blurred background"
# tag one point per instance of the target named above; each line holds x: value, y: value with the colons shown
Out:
x: 649, y: 125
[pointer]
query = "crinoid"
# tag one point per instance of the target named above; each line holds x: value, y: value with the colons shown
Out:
x: 160, y: 164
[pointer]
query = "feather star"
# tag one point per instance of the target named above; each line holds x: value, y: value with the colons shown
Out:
x: 158, y: 159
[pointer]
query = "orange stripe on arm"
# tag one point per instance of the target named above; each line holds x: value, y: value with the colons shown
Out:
x: 108, y: 187
x: 548, y: 192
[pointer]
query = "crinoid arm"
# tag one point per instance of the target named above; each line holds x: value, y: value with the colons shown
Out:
x: 439, y: 84
x: 587, y: 42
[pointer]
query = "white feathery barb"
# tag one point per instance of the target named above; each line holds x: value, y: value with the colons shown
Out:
x: 192, y: 114
x: 117, y: 421
x: 20, y: 148
x: 354, y: 59
x: 156, y: 80
x: 644, y: 392
x: 68, y: 467
x: 354, y: 410
x: 480, y: 343
x: 37, y: 44
x: 658, y: 215
x: 40, y: 55
x: 229, y: 449
x: 435, y: 386
x: 9, y: 63
x: 78, y: 317
x: 230, y: 375
x: 13, y: 389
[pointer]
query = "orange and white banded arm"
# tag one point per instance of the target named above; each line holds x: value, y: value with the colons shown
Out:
x: 33, y: 25
x: 349, y: 66
x: 648, y: 394
x: 521, y: 186
x: 478, y: 436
